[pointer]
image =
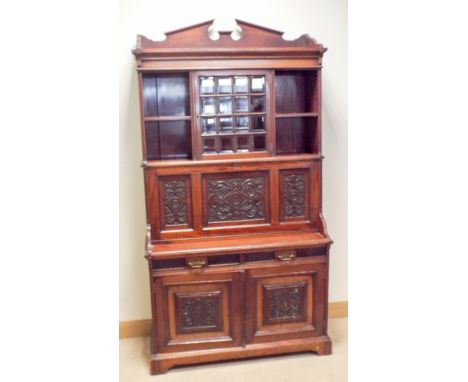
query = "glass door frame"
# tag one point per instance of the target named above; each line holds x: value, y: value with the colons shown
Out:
x: 197, y: 119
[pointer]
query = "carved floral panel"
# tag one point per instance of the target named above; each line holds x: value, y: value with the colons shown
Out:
x: 174, y: 202
x: 283, y: 303
x: 240, y: 198
x: 198, y: 311
x: 294, y: 195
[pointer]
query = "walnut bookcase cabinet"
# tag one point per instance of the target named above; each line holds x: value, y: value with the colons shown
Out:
x: 237, y: 247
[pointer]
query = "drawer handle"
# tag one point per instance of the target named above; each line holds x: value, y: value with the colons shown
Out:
x: 285, y: 256
x: 196, y: 263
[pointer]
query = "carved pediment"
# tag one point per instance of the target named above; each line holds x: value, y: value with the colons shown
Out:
x: 196, y: 38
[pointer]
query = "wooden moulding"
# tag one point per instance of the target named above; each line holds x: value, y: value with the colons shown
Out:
x: 199, y: 163
x: 265, y: 242
x: 192, y: 48
x: 160, y: 363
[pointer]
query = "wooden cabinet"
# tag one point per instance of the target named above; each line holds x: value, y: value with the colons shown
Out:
x: 236, y: 243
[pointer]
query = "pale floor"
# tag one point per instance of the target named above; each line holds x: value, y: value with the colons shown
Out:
x: 134, y: 364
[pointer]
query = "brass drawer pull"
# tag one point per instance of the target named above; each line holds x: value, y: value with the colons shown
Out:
x: 286, y: 256
x: 197, y: 263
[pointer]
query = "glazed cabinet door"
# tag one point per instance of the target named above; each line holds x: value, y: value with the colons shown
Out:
x: 285, y: 301
x: 198, y: 310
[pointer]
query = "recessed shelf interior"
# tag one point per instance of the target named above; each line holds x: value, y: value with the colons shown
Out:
x: 296, y: 135
x: 166, y: 103
x: 296, y: 110
x: 166, y: 94
x: 168, y: 140
x: 296, y: 91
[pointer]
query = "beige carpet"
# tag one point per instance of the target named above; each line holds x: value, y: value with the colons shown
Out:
x: 134, y: 364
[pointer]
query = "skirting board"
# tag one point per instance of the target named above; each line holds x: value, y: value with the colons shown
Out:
x: 142, y: 328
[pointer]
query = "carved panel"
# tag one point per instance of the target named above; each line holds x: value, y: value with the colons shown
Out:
x: 236, y: 198
x: 284, y: 303
x: 198, y: 311
x: 175, y: 202
x: 294, y: 194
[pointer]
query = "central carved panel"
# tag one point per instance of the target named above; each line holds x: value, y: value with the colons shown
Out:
x: 231, y: 199
x: 198, y: 311
x: 284, y: 303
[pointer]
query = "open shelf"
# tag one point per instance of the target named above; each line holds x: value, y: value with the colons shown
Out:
x: 166, y: 94
x: 296, y: 135
x: 166, y: 104
x: 292, y: 115
x: 296, y: 111
x: 169, y: 118
x: 168, y: 140
x: 296, y: 91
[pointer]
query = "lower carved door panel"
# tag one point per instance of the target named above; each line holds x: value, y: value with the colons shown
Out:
x: 199, y: 311
x: 285, y: 302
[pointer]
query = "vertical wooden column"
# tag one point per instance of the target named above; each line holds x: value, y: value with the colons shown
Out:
x: 271, y: 113
x: 274, y: 196
x: 315, y: 192
x: 154, y: 205
x: 197, y: 202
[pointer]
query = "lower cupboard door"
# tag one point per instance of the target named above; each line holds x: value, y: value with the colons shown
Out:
x: 285, y: 302
x: 198, y: 311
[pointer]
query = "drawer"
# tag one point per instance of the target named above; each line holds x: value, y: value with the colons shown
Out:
x: 241, y: 259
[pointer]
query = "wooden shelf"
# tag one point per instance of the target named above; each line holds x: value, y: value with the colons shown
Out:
x: 240, y: 114
x: 236, y: 134
x: 168, y: 118
x: 232, y: 244
x: 219, y: 160
x: 296, y: 115
x: 231, y: 94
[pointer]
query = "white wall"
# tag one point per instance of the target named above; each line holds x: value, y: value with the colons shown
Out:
x: 325, y: 20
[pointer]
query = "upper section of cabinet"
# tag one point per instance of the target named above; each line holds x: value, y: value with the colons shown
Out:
x: 253, y: 97
x: 191, y: 48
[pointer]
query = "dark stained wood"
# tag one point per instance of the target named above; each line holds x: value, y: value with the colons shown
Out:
x: 169, y: 139
x: 176, y: 203
x: 294, y: 195
x: 296, y: 135
x: 236, y: 244
x: 300, y: 309
x: 235, y: 198
x: 189, y: 326
x: 196, y: 38
x: 294, y: 91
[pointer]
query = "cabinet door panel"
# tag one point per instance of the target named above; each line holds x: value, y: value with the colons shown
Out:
x: 284, y: 302
x: 199, y: 311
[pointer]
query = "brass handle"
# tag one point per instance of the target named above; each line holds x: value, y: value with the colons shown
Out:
x: 196, y: 263
x: 285, y: 256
